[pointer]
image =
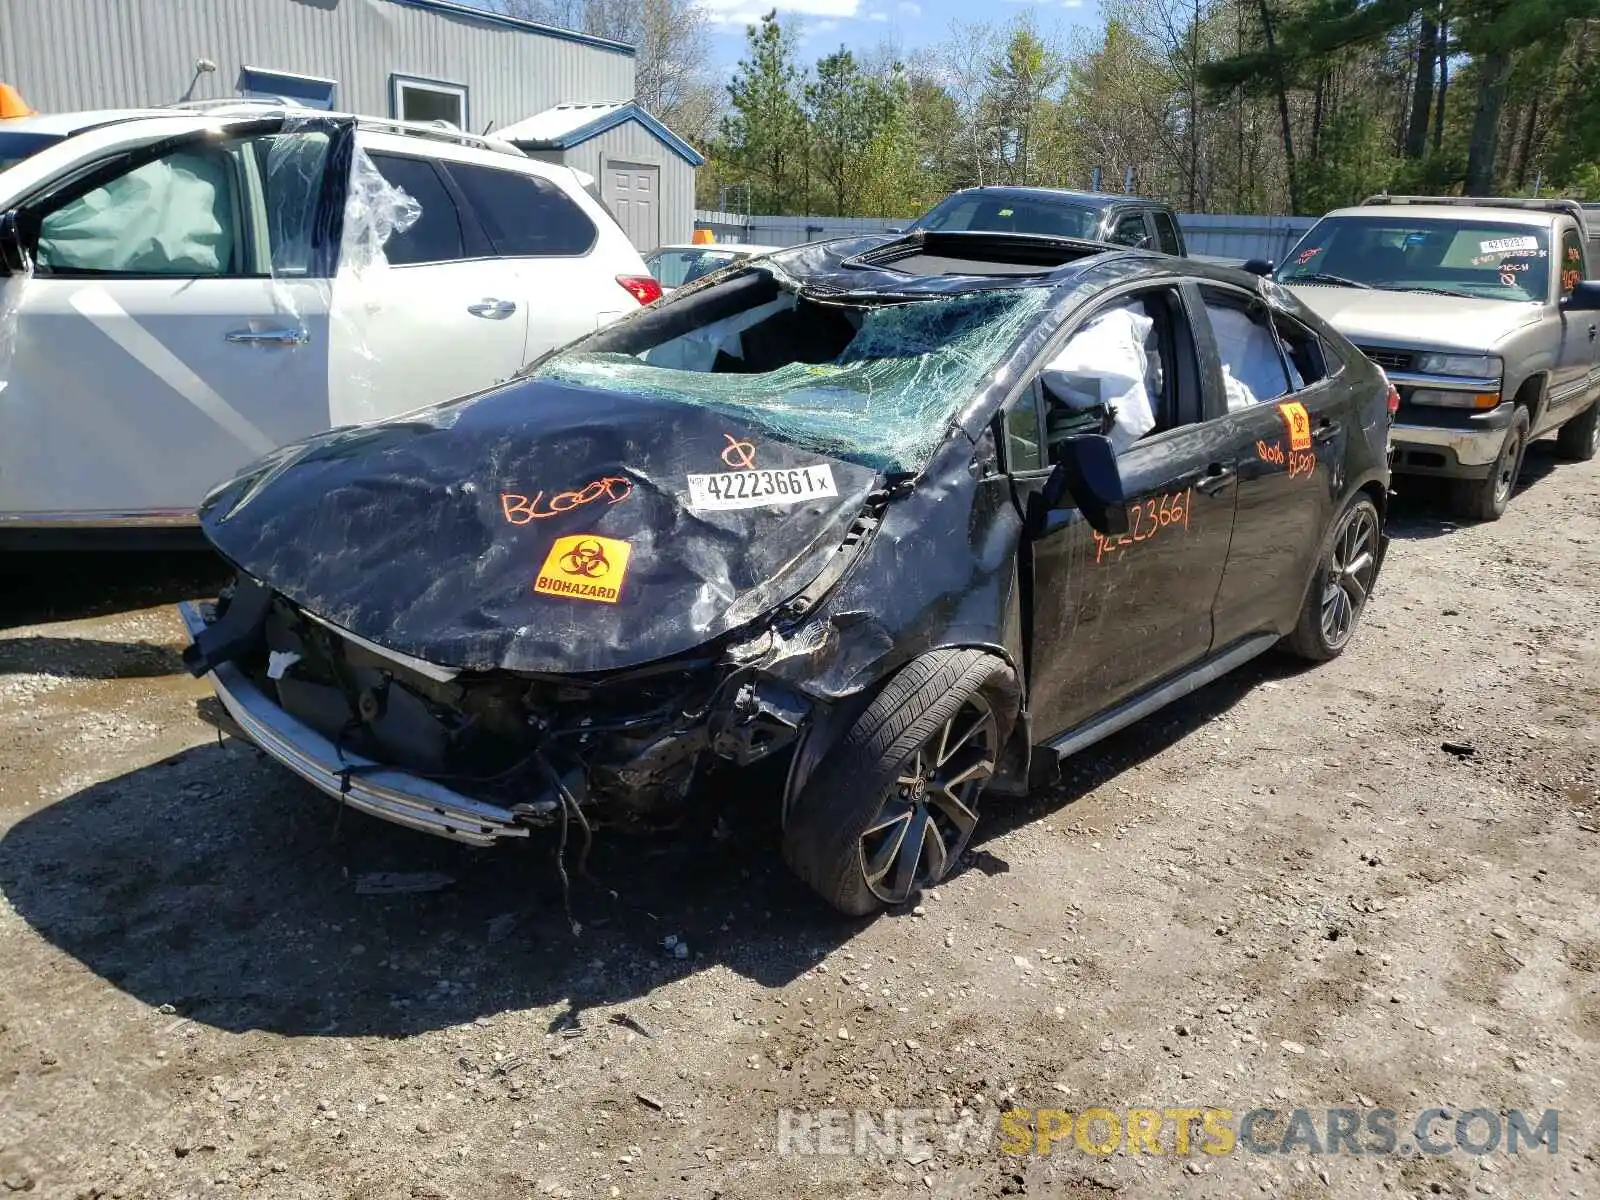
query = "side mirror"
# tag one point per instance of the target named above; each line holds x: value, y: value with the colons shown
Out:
x: 1259, y: 266
x: 13, y: 251
x: 1585, y: 297
x: 1086, y: 470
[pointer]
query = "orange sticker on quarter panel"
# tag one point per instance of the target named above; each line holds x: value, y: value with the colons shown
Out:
x: 585, y: 566
x: 1299, y: 423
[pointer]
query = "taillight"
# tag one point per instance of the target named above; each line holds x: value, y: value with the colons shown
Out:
x: 1394, y: 394
x: 643, y: 288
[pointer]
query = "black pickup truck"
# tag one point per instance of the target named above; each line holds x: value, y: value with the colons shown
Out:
x: 1096, y: 216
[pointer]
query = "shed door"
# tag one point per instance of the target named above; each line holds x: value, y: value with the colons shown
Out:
x: 633, y: 191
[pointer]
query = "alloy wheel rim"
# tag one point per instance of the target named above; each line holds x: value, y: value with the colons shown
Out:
x: 1510, y: 462
x: 928, y: 815
x: 1352, y: 564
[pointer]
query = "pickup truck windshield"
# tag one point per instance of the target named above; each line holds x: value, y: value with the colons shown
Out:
x: 1477, y: 259
x: 14, y: 147
x: 999, y: 214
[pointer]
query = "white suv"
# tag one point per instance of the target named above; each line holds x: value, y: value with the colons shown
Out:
x: 183, y: 290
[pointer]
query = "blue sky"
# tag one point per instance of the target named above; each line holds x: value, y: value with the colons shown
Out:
x: 865, y: 24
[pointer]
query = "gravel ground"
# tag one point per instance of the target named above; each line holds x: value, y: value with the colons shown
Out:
x: 1282, y: 893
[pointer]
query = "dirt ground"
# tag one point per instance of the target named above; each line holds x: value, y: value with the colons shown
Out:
x: 1282, y: 893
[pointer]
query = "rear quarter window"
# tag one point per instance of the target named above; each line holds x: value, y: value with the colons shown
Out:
x: 526, y: 216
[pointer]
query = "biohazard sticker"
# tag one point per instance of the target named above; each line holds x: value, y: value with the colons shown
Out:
x: 1299, y: 423
x: 584, y: 566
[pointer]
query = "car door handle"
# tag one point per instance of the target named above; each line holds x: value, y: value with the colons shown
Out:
x: 1326, y: 431
x: 268, y: 337
x: 492, y: 309
x: 1591, y: 333
x: 1217, y: 476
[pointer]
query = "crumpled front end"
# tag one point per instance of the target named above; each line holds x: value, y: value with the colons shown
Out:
x: 479, y: 757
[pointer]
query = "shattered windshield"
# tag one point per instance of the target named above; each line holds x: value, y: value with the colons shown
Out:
x: 1475, y: 259
x: 872, y: 383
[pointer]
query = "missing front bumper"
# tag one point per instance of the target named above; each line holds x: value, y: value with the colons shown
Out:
x: 363, y: 784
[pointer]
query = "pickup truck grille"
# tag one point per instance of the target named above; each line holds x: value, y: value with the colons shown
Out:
x: 1389, y: 360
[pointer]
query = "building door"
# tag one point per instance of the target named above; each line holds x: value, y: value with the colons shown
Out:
x: 633, y: 191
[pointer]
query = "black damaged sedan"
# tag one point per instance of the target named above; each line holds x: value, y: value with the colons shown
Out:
x: 899, y: 523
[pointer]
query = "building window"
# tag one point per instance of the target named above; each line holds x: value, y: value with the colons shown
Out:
x: 413, y: 99
x: 257, y: 83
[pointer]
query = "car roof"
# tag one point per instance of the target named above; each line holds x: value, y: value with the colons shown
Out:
x: 917, y: 263
x: 65, y: 124
x: 1101, y: 199
x: 1487, y: 214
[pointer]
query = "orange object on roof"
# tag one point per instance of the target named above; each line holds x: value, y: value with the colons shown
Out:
x: 12, y: 104
x: 703, y: 237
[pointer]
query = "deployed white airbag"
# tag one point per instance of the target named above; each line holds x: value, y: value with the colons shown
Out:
x: 173, y: 216
x: 1104, y: 366
x: 1252, y: 371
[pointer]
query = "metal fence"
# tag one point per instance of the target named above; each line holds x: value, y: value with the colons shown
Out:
x: 1207, y: 235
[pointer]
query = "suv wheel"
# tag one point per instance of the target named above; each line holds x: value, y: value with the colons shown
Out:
x: 1339, y: 590
x: 1486, y: 499
x: 894, y: 804
x: 1579, y: 438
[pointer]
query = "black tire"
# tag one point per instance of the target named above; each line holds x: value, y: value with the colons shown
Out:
x: 844, y: 822
x: 1339, y: 590
x: 1486, y: 499
x: 1579, y: 438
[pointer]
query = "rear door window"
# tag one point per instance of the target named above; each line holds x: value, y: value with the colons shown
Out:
x: 1253, y: 370
x: 437, y: 235
x: 526, y: 216
x: 1167, y: 240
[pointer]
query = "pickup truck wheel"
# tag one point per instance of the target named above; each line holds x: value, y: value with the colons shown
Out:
x: 1339, y: 590
x: 1579, y: 438
x: 893, y: 806
x: 1486, y: 499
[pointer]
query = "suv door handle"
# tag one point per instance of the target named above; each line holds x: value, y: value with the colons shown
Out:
x: 1591, y: 333
x: 268, y: 337
x: 1326, y: 430
x: 1217, y: 475
x: 492, y: 309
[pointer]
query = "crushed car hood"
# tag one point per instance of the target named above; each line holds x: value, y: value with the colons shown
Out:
x: 539, y: 527
x: 1416, y: 318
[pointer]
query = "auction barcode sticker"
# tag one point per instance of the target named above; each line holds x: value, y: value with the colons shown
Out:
x: 757, y: 489
x: 1507, y: 245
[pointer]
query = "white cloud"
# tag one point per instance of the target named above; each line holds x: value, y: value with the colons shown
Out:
x: 910, y: 7
x: 877, y: 16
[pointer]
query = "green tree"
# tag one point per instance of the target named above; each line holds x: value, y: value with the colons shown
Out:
x: 763, y: 138
x: 1022, y: 79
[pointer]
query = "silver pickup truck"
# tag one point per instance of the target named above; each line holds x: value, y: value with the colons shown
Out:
x: 1481, y: 313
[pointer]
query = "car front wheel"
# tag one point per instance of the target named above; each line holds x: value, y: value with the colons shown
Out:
x: 1344, y: 579
x: 893, y: 806
x: 1486, y: 499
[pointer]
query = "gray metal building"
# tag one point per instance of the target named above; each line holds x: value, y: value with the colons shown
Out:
x: 410, y: 59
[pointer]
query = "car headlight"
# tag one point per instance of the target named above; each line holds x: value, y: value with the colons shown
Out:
x: 1473, y: 366
x: 1447, y: 399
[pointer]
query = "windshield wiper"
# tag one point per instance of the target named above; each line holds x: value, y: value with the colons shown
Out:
x: 1438, y: 291
x: 1337, y: 280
